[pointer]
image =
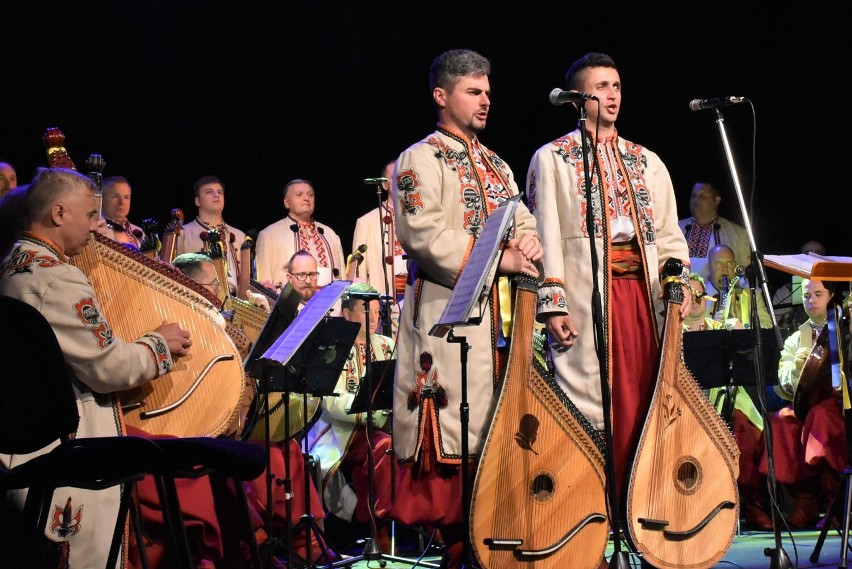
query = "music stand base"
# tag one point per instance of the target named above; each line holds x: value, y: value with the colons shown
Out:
x: 778, y: 558
x: 619, y: 560
x: 372, y: 552
x: 307, y: 525
x: 835, y: 512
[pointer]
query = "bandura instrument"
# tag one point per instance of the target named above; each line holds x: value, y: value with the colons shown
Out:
x: 814, y: 384
x: 214, y: 247
x: 201, y: 395
x: 682, y: 502
x: 247, y: 260
x: 168, y: 250
x: 538, y: 498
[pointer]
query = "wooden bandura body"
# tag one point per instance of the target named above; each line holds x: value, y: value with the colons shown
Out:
x: 682, y: 501
x: 168, y: 248
x: 201, y: 396
x: 538, y: 498
x: 814, y: 384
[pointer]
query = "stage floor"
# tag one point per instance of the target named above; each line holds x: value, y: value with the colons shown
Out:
x: 746, y: 552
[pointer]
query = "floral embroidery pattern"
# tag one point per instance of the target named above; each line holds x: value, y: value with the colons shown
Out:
x: 532, y: 191
x: 66, y: 521
x: 88, y: 313
x: 22, y: 260
x: 311, y: 241
x: 482, y: 177
x: 408, y: 187
x: 629, y: 183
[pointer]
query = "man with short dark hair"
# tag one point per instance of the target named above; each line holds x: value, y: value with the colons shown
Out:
x: 210, y: 199
x: 634, y: 233
x: 445, y: 187
x: 200, y: 268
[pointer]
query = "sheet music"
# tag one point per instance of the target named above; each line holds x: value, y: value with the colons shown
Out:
x: 314, y: 311
x: 471, y: 284
x: 823, y: 267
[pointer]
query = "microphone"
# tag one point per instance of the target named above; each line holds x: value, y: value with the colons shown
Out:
x: 560, y: 97
x: 699, y: 104
x: 294, y: 227
x: 740, y: 270
x: 374, y: 181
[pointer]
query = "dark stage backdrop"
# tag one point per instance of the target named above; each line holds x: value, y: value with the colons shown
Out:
x: 258, y: 93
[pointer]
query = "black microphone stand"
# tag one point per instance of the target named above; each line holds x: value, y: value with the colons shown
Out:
x: 619, y: 559
x: 384, y: 237
x: 372, y: 551
x: 778, y: 558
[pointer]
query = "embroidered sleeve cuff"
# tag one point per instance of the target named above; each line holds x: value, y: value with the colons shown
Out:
x: 159, y: 350
x: 551, y: 299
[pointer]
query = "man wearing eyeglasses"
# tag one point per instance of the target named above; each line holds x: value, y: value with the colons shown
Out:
x: 200, y: 268
x: 302, y: 273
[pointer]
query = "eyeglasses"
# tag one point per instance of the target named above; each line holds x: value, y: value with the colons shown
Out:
x: 214, y: 285
x: 302, y: 277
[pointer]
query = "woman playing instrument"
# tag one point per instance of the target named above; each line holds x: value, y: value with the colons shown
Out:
x: 809, y: 452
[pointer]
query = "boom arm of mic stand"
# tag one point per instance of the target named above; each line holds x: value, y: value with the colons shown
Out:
x: 756, y: 256
x: 384, y: 238
x: 778, y: 557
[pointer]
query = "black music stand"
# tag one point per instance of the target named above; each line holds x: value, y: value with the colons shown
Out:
x: 380, y: 384
x: 471, y: 292
x: 306, y: 356
x: 725, y: 358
